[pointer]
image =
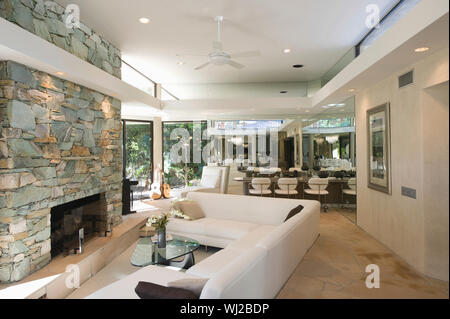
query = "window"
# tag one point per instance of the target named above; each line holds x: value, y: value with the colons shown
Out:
x: 243, y: 125
x: 138, y: 150
x: 137, y: 79
x: 332, y: 123
x: 253, y: 141
x: 180, y: 170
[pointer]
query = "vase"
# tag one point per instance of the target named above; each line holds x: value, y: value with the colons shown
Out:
x: 162, y: 238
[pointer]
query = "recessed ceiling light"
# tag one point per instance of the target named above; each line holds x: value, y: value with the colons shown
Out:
x: 297, y: 66
x: 287, y: 51
x: 59, y: 73
x: 144, y: 20
x: 180, y: 62
x: 420, y: 50
x: 283, y: 92
x: 352, y: 90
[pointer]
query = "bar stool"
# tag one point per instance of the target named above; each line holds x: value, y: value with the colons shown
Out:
x: 352, y: 184
x: 288, y: 186
x: 318, y: 186
x: 260, y: 186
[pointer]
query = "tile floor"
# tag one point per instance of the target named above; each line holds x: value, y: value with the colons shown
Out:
x: 335, y: 267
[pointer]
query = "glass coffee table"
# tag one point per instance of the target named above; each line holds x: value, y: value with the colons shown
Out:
x: 148, y: 253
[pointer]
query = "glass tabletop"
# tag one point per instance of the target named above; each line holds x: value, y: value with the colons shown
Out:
x: 147, y: 252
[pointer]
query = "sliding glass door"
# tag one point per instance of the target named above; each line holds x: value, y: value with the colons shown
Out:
x: 138, y: 151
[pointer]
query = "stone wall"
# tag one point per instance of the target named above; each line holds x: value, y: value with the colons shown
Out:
x: 47, y: 19
x: 59, y: 142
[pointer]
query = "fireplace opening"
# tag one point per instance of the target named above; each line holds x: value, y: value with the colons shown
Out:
x: 75, y: 222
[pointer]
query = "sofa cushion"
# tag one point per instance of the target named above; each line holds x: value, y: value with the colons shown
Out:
x: 190, y: 209
x: 194, y: 285
x: 148, y: 290
x: 250, y: 240
x: 210, y: 266
x: 212, y: 227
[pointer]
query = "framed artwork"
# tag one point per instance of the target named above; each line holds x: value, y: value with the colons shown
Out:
x: 379, y: 143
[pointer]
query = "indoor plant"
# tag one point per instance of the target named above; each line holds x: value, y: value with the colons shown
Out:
x: 159, y: 222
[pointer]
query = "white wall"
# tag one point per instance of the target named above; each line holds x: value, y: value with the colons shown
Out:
x: 402, y: 223
x: 435, y: 182
x: 237, y: 90
x: 157, y: 147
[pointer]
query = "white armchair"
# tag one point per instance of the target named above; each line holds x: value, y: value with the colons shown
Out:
x: 214, y: 180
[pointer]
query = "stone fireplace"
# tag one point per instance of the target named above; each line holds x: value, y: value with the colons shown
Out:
x: 59, y: 142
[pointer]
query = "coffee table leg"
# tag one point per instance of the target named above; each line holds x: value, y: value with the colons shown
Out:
x: 187, y: 262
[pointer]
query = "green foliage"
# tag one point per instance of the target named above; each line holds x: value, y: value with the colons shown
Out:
x: 158, y: 222
x: 180, y: 173
x: 139, y: 145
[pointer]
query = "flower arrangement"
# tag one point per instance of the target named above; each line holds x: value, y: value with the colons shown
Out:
x: 173, y: 211
x: 159, y: 222
x: 179, y: 214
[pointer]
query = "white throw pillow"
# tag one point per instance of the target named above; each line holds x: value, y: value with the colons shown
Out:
x: 210, y: 180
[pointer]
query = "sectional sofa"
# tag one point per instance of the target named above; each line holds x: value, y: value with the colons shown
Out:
x: 261, y: 249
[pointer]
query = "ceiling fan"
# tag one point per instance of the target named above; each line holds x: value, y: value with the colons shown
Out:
x: 219, y: 57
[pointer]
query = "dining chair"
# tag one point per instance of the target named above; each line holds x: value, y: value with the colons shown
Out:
x: 260, y: 186
x: 288, y: 187
x: 318, y: 186
x: 352, y: 187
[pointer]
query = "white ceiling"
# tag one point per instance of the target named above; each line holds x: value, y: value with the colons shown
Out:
x: 319, y: 33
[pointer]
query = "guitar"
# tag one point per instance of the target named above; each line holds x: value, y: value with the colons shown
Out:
x: 156, y: 191
x: 165, y: 188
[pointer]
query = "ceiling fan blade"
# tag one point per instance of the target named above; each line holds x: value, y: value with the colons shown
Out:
x: 217, y: 45
x: 247, y: 54
x: 235, y: 64
x: 202, y: 66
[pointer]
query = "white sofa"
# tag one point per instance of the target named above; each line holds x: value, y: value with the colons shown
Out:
x: 260, y: 252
